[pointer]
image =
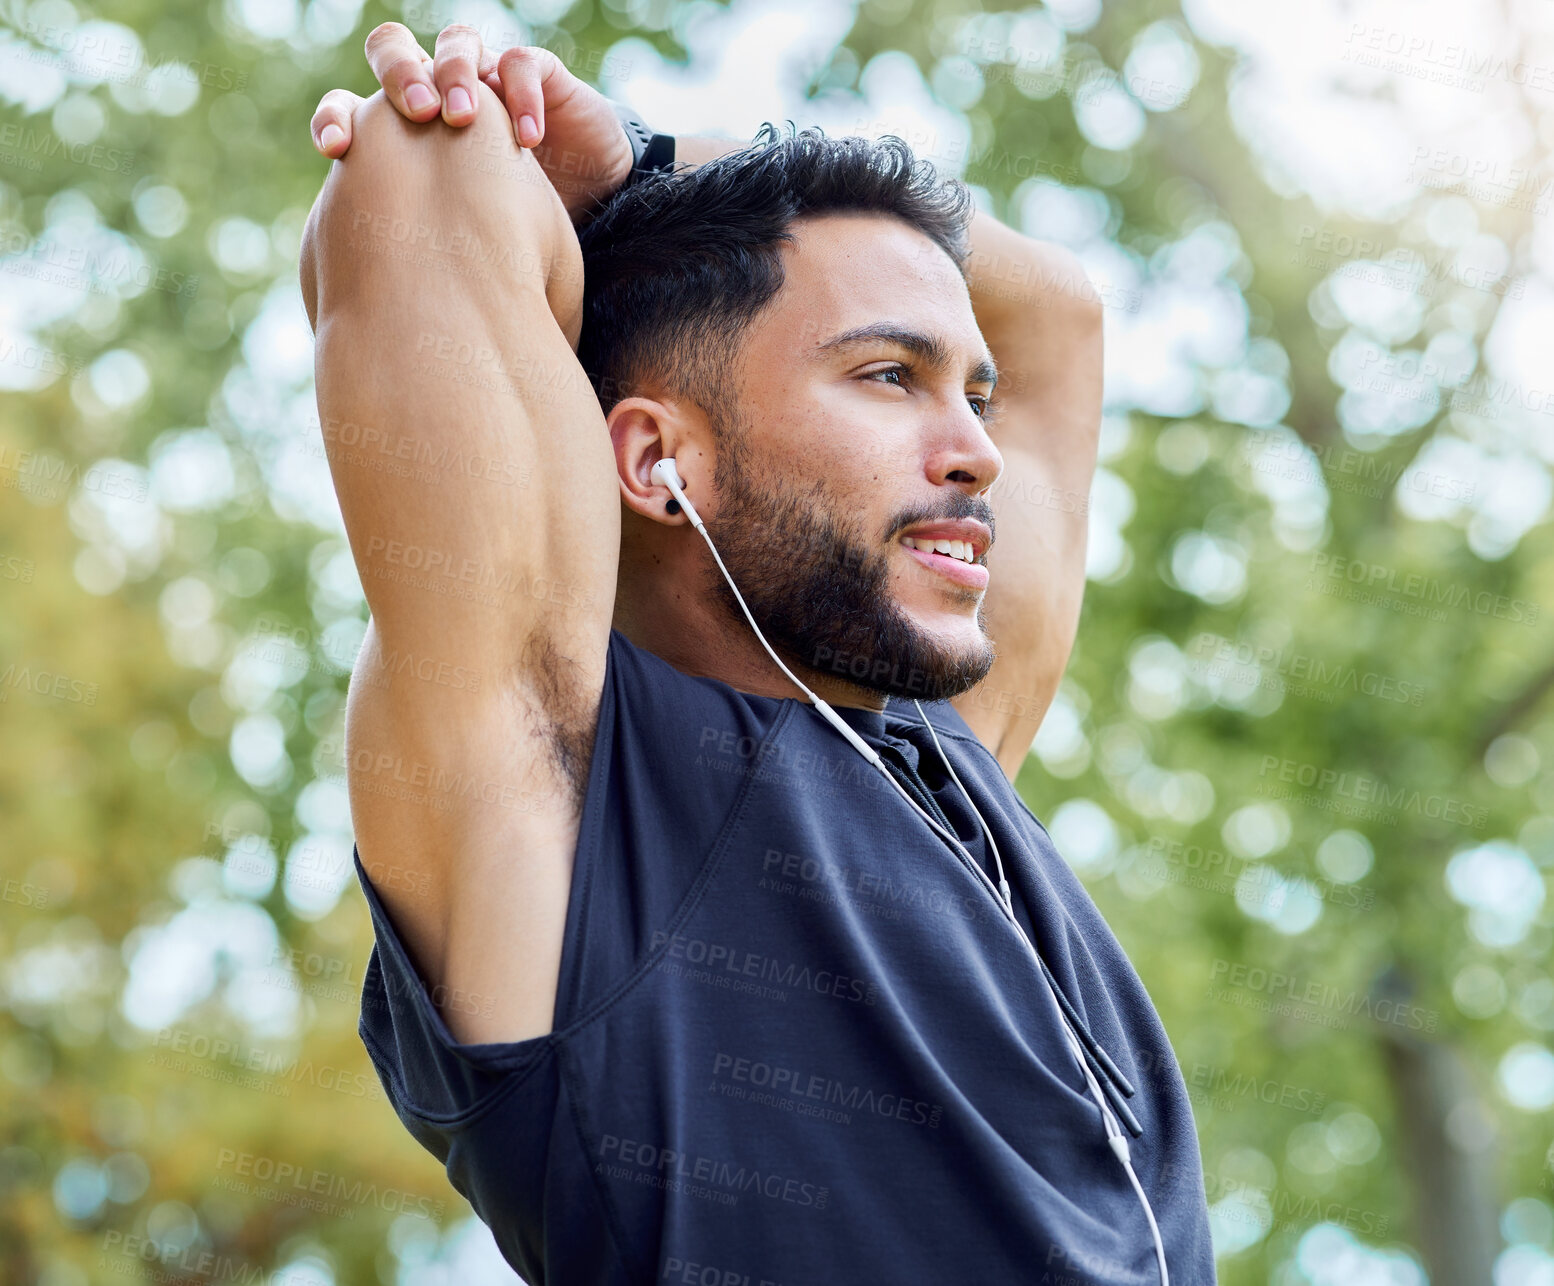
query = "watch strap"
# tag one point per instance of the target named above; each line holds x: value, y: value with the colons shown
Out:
x: 650, y: 152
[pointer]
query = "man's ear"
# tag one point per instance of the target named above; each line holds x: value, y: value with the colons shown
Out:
x: 643, y: 431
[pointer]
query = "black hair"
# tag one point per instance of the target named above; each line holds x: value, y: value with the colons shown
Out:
x: 677, y: 267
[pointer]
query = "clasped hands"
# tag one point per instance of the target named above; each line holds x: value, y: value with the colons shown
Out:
x: 570, y: 126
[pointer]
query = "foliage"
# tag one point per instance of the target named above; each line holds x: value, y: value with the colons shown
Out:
x: 1296, y: 755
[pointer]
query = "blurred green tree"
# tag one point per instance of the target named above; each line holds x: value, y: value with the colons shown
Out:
x: 1298, y: 756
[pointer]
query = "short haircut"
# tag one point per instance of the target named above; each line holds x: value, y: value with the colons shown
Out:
x: 678, y: 266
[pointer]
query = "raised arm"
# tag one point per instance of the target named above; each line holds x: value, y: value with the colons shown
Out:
x: 1042, y: 322
x: 475, y: 475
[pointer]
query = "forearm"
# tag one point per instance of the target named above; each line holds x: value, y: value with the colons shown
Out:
x: 1041, y: 319
x: 698, y: 149
x: 1010, y: 274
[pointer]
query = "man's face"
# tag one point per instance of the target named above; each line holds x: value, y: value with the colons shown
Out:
x: 830, y: 458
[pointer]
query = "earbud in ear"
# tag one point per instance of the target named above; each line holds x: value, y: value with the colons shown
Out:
x: 665, y: 474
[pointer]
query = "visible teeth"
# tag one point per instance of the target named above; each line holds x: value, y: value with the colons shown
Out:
x: 961, y: 549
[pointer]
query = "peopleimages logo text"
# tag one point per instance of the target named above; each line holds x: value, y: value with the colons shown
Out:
x: 1293, y: 989
x: 1372, y: 790
x: 1416, y: 585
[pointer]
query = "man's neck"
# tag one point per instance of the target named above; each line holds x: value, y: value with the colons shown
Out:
x: 699, y: 639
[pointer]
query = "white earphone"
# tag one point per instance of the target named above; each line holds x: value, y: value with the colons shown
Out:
x: 666, y: 473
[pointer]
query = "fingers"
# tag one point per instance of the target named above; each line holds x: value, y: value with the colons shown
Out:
x: 527, y: 73
x: 404, y: 70
x: 331, y: 124
x: 456, y: 71
x: 488, y: 61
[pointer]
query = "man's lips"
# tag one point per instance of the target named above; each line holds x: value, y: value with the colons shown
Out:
x: 967, y: 530
x: 972, y: 575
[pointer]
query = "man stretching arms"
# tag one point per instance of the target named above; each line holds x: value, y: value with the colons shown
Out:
x: 677, y: 980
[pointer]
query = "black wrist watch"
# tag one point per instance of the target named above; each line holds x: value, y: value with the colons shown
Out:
x: 650, y: 153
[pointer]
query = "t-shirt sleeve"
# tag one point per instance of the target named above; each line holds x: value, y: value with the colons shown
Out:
x: 423, y: 1068
x: 655, y: 806
x: 461, y: 1102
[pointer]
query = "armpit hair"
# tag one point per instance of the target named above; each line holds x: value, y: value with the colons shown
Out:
x: 567, y: 717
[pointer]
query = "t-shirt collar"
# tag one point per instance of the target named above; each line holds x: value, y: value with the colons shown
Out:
x: 896, y: 725
x: 869, y: 724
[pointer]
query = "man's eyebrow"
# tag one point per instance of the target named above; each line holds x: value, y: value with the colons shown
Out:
x: 928, y: 349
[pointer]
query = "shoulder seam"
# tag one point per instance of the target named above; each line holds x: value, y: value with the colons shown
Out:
x: 626, y: 986
x: 687, y: 905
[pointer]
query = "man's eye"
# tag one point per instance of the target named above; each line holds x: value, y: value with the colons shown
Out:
x: 982, y: 405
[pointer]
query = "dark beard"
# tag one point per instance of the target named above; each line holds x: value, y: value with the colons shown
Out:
x: 821, y: 593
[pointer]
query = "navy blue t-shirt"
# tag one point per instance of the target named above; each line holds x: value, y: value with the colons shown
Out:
x: 796, y: 1040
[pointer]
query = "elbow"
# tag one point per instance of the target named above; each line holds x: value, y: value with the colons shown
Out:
x: 307, y: 270
x: 1079, y: 298
x: 406, y: 190
x: 364, y: 170
x: 366, y: 179
x: 1069, y: 289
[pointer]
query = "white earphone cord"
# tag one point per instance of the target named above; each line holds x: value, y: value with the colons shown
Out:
x: 1114, y: 1135
x: 1115, y: 1138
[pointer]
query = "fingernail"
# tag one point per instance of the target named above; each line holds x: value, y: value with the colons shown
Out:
x: 527, y: 130
x: 458, y: 101
x: 329, y: 136
x: 418, y: 97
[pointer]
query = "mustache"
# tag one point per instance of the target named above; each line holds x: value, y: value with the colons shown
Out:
x: 959, y: 505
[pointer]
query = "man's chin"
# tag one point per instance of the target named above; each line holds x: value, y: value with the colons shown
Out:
x: 929, y: 667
